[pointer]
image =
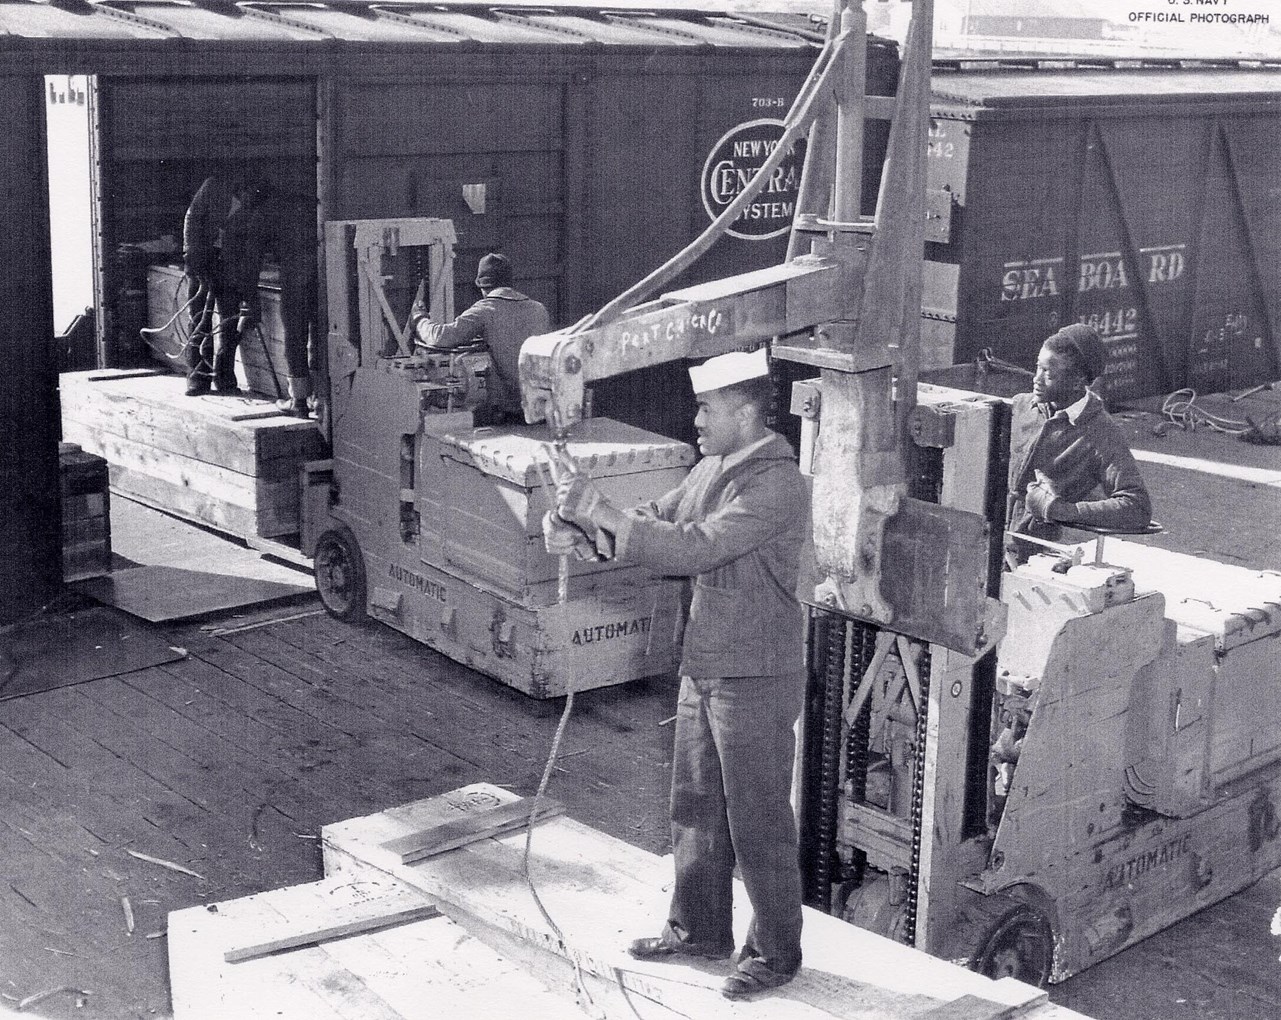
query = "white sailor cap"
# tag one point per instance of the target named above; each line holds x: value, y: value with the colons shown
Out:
x: 727, y: 369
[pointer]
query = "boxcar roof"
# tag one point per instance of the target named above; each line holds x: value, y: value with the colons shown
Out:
x: 983, y: 89
x: 125, y: 29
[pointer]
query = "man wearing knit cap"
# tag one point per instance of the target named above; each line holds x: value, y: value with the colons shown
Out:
x: 503, y: 318
x: 1069, y: 463
x: 735, y: 525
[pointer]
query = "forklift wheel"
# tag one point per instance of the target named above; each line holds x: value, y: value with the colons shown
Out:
x: 1020, y: 945
x: 340, y: 574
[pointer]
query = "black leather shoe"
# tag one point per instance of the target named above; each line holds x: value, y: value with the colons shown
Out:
x: 197, y: 387
x: 753, y: 977
x: 227, y: 389
x: 664, y: 947
x: 293, y: 408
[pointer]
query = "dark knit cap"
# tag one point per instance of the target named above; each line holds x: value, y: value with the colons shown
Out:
x: 494, y: 271
x: 1082, y: 344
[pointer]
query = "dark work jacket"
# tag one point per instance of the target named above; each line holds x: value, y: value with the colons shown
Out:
x: 1088, y: 463
x: 738, y: 532
x: 504, y: 319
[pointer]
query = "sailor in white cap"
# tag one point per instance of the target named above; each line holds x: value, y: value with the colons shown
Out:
x: 735, y: 525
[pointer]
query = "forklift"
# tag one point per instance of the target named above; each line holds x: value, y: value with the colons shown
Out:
x: 1025, y: 771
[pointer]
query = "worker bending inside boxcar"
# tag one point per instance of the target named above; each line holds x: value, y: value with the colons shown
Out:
x: 222, y: 242
x: 1069, y: 463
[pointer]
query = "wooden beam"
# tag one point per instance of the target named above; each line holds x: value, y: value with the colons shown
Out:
x: 310, y: 936
x: 972, y: 1007
x: 495, y: 820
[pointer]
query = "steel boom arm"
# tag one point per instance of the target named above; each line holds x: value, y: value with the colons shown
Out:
x: 694, y: 322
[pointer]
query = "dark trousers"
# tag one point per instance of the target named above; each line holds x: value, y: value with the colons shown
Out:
x: 298, y: 316
x: 731, y: 788
x: 211, y: 354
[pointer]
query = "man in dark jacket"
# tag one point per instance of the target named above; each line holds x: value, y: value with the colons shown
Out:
x: 222, y: 242
x: 1069, y: 463
x: 503, y: 318
x: 735, y: 525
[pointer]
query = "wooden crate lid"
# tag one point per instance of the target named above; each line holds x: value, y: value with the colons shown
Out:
x: 1235, y: 604
x: 600, y: 446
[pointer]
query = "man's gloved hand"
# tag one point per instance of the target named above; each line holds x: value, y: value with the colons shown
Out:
x: 564, y: 539
x: 1041, y: 501
x: 577, y: 498
x: 418, y: 312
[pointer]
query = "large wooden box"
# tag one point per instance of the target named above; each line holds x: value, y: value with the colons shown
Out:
x: 231, y: 463
x: 605, y: 634
x: 493, y: 496
x: 260, y: 358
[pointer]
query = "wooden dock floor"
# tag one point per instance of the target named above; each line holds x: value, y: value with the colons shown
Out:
x: 279, y: 721
x: 229, y: 761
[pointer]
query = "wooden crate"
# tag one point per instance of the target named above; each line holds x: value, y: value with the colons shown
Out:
x: 86, y: 514
x: 373, y: 949
x: 260, y: 360
x: 602, y: 892
x: 618, y: 629
x: 492, y: 495
x: 232, y: 463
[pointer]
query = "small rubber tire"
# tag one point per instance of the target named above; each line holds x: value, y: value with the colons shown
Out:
x: 340, y: 574
x: 1020, y: 945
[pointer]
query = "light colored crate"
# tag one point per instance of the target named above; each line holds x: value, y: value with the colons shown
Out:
x: 490, y: 482
x: 608, y: 634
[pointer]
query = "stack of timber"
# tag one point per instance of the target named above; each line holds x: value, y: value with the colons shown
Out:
x: 229, y: 462
x: 260, y: 359
x: 86, y: 514
x: 492, y: 952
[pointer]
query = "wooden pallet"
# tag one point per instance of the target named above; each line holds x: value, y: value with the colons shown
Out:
x: 459, y: 934
x: 601, y: 892
x: 232, y: 463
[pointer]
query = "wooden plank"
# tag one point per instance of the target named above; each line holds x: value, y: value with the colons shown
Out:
x: 199, y: 506
x: 337, y: 924
x: 237, y: 432
x: 495, y: 820
x: 972, y: 1007
x: 424, y: 969
x: 248, y: 490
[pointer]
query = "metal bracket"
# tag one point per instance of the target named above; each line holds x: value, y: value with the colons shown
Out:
x: 502, y: 631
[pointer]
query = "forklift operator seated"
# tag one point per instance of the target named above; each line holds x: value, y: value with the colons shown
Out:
x: 502, y: 319
x: 1069, y: 463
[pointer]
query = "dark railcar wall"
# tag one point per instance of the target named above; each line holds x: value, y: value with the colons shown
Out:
x: 1160, y: 228
x: 30, y: 551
